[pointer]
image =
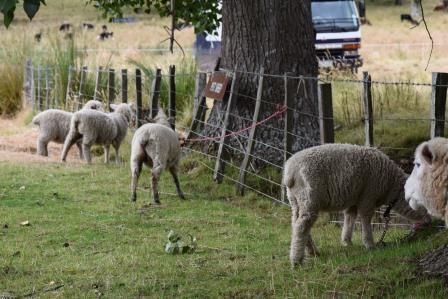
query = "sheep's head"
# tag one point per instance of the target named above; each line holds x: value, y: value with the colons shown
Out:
x: 162, y: 118
x: 127, y: 110
x: 427, y: 186
x: 94, y: 105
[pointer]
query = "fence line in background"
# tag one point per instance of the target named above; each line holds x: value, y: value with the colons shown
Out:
x: 39, y: 87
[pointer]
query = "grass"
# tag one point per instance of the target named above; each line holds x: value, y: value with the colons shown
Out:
x: 116, y: 248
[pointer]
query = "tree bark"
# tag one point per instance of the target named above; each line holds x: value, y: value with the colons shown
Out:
x: 279, y: 35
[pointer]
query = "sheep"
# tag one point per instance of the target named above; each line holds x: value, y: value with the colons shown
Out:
x: 427, y: 186
x: 335, y: 177
x: 54, y: 125
x: 65, y: 27
x: 95, y: 127
x: 157, y: 146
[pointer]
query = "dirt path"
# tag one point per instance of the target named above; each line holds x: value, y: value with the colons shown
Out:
x: 18, y: 142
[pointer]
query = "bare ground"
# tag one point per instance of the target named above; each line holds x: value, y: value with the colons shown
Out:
x: 18, y: 142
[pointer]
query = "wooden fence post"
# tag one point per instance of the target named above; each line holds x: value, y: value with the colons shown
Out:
x: 155, y: 93
x: 138, y: 88
x: 82, y: 87
x: 172, y: 97
x: 124, y: 85
x: 250, y: 141
x: 438, y: 104
x: 199, y: 103
x: 289, y: 123
x: 47, y: 89
x: 368, y: 108
x: 69, y: 84
x: 222, y: 152
x: 33, y: 87
x: 99, y: 70
x: 39, y: 88
x: 111, y: 88
x: 326, y: 123
x: 27, y: 91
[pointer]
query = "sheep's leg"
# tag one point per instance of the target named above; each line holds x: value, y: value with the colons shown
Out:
x: 366, y: 227
x: 136, y: 168
x: 79, y: 145
x: 155, y: 182
x: 86, y: 152
x: 349, y: 224
x: 117, y: 153
x: 71, y: 139
x: 42, y: 144
x: 301, y: 235
x: 173, y: 171
x: 106, y: 153
x: 311, y: 247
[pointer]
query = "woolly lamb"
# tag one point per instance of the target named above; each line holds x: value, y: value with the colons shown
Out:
x: 427, y: 186
x: 157, y: 146
x: 335, y: 177
x: 54, y: 125
x: 95, y: 127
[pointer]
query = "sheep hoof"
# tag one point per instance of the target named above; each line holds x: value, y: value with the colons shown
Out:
x: 182, y: 196
x: 133, y: 198
x: 347, y: 243
x: 156, y: 202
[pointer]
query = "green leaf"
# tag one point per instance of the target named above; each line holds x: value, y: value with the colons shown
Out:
x: 31, y: 7
x: 7, y: 5
x: 8, y: 17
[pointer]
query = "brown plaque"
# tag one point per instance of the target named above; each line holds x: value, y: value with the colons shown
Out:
x: 217, y: 85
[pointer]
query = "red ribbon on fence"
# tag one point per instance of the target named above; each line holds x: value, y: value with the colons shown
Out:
x: 277, y: 113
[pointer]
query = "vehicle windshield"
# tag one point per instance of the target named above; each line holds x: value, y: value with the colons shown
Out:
x: 334, y: 16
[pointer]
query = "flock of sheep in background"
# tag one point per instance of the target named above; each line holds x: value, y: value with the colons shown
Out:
x: 67, y: 29
x: 332, y: 177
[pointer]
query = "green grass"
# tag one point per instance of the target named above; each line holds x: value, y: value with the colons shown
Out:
x: 116, y: 247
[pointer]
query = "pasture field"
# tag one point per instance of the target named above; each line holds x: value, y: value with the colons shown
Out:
x: 86, y: 240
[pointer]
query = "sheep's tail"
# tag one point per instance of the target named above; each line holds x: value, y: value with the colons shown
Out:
x: 288, y: 177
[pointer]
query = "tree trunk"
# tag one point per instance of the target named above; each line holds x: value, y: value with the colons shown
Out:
x: 278, y: 35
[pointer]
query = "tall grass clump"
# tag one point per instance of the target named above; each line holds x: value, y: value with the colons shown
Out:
x: 12, y: 62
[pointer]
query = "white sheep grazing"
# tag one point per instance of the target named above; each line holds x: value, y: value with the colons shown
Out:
x: 427, y: 186
x: 157, y: 146
x: 95, y: 127
x: 54, y: 125
x: 336, y: 177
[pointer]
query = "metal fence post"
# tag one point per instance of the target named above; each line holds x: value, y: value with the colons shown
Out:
x: 368, y: 108
x: 172, y: 96
x: 155, y: 93
x: 138, y: 89
x: 111, y: 88
x: 326, y: 123
x: 438, y: 104
x: 289, y: 123
x: 82, y: 88
x: 124, y: 85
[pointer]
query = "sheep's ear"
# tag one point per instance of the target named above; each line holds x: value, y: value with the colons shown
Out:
x: 427, y: 154
x: 113, y: 106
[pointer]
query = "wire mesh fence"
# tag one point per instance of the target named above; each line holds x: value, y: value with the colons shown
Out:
x: 249, y: 148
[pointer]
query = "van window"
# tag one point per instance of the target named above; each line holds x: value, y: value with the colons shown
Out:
x: 334, y: 16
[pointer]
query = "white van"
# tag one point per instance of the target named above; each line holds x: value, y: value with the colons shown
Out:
x: 338, y: 37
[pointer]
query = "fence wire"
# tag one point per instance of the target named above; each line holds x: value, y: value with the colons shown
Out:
x: 41, y: 90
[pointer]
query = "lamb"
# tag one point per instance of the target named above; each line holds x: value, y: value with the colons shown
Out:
x: 427, y: 186
x: 157, y: 146
x: 335, y: 177
x: 95, y: 127
x: 54, y: 125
